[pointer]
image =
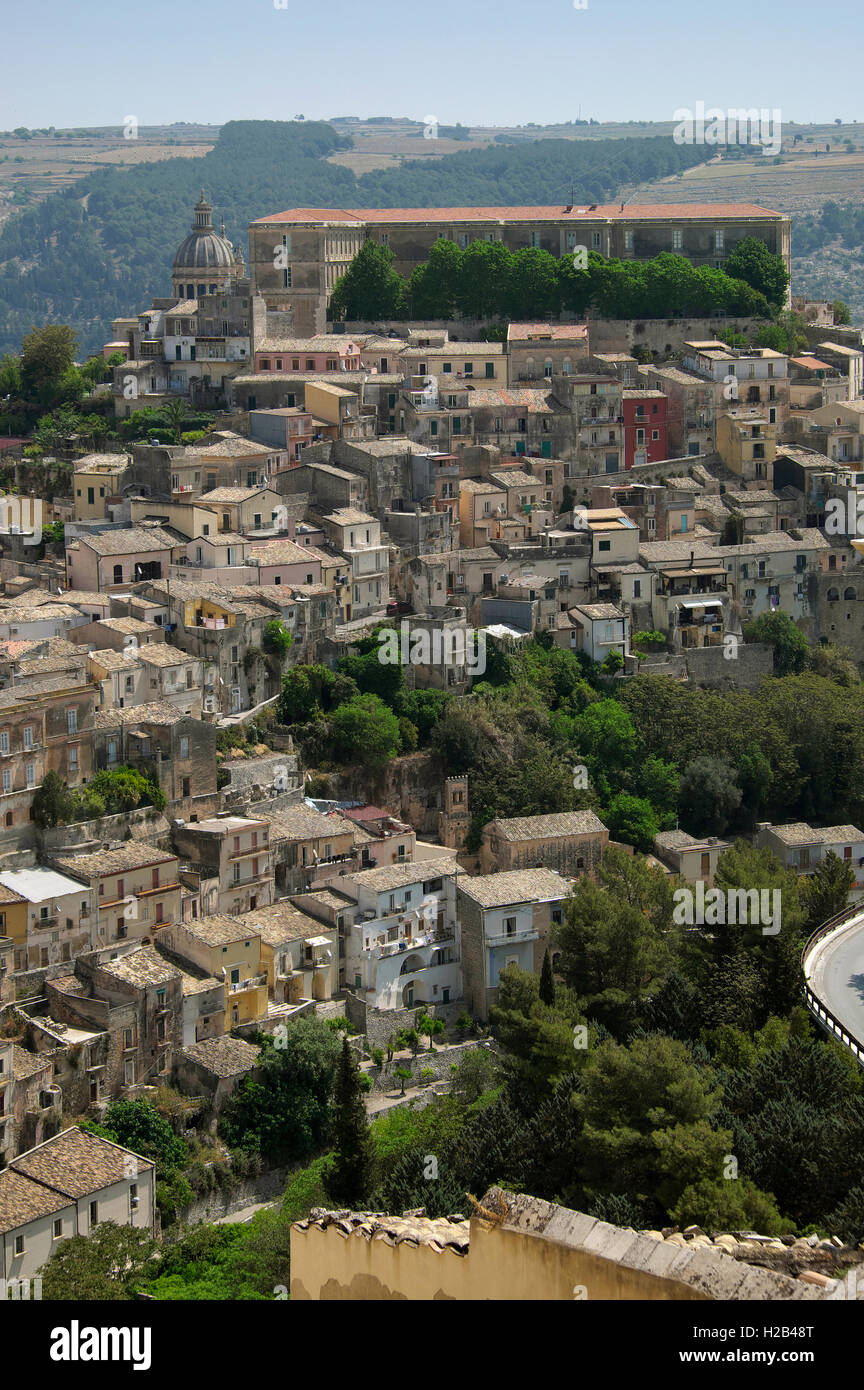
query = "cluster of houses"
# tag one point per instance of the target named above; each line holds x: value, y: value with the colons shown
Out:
x: 546, y: 483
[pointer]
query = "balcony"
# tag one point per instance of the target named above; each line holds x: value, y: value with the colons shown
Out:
x: 254, y: 982
x: 511, y: 938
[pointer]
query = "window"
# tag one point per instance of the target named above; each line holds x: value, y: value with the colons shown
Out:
x: 19, y: 1245
x: 718, y: 239
x: 628, y: 241
x: 677, y: 239
x: 7, y: 780
x: 94, y: 1208
x: 184, y: 748
x: 31, y: 775
x: 4, y: 741
x: 73, y: 757
x: 71, y: 721
x: 28, y: 738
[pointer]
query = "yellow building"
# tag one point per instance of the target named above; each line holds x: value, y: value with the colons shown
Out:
x: 747, y: 443
x: 226, y: 950
x: 98, y: 479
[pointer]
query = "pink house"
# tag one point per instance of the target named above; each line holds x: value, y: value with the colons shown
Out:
x: 115, y: 559
x: 283, y: 562
x: 327, y: 353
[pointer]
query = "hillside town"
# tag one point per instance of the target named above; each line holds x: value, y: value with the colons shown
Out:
x: 238, y: 653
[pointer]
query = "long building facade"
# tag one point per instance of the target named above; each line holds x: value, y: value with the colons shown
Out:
x: 296, y: 257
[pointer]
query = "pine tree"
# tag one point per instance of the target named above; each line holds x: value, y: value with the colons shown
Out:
x: 547, y: 983
x: 348, y: 1180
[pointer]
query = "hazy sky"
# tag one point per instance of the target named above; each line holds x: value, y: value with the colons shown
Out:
x: 483, y: 62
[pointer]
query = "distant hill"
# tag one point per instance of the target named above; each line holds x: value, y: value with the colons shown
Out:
x: 103, y: 247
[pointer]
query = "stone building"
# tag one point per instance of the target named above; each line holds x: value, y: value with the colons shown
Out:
x: 45, y: 726
x: 300, y: 955
x: 570, y: 842
x: 215, y: 1067
x: 136, y: 998
x: 454, y: 820
x: 30, y: 1103
x: 137, y: 889
x: 235, y: 852
x: 506, y: 920
x: 223, y: 948
x: 296, y: 257
x: 161, y: 741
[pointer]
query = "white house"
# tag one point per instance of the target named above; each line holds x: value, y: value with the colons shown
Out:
x: 66, y: 1187
x: 403, y: 946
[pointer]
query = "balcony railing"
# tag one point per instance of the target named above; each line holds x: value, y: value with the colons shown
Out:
x: 510, y: 937
x: 254, y: 982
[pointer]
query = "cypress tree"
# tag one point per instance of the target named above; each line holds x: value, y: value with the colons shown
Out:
x: 547, y: 983
x: 348, y: 1179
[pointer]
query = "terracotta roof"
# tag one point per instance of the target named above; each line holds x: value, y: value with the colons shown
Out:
x: 549, y: 827
x: 281, y: 921
x: 282, y: 552
x: 515, y: 886
x: 132, y: 855
x: 452, y: 1233
x: 23, y: 1201
x: 566, y: 332
x: 231, y: 494
x: 142, y: 967
x: 535, y: 400
x: 76, y: 1163
x: 390, y: 876
x: 217, y: 930
x: 130, y: 541
x: 632, y: 212
x: 223, y: 1056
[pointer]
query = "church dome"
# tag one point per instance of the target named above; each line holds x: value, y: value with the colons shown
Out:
x: 204, y: 248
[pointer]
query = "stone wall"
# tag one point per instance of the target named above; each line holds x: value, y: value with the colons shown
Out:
x: 144, y: 824
x: 378, y: 1024
x: 521, y: 1249
x: 707, y: 666
x: 211, y: 1206
x: 839, y: 620
x: 439, y: 1062
x: 662, y: 336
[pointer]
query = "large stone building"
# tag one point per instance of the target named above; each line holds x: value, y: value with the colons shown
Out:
x: 571, y: 843
x: 296, y: 257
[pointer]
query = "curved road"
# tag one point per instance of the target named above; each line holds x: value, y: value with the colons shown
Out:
x: 835, y: 973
